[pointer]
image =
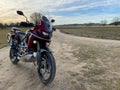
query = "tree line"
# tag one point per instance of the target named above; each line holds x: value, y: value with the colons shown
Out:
x: 115, y: 21
x: 5, y: 25
x: 104, y: 22
x: 34, y: 17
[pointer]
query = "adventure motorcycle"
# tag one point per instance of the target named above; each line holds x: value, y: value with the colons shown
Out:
x: 40, y: 54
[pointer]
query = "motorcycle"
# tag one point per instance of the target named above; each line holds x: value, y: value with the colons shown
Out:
x: 40, y: 54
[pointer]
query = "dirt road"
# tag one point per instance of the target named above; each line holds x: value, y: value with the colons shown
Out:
x: 70, y: 74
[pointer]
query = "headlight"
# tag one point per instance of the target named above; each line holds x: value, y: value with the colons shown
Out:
x: 44, y: 33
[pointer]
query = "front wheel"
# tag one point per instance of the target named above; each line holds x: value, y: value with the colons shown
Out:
x: 46, y: 67
x: 13, y: 56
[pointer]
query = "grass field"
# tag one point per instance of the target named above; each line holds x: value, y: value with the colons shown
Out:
x: 93, y: 32
x: 3, y: 33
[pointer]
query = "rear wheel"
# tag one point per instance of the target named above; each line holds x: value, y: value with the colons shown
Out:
x: 13, y: 56
x: 46, y: 67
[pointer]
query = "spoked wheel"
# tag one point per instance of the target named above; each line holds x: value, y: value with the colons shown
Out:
x: 46, y: 68
x: 13, y: 56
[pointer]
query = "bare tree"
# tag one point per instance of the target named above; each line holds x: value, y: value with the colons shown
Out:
x: 5, y: 25
x: 104, y: 22
x: 116, y: 20
x: 1, y: 25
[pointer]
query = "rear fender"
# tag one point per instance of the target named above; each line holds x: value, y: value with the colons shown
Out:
x: 13, y: 40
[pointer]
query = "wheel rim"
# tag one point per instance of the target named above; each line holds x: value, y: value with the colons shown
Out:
x: 45, y: 68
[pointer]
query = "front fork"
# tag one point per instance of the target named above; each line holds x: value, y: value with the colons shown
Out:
x: 41, y: 50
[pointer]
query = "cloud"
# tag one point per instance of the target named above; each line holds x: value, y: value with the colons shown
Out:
x: 8, y: 9
x: 52, y: 5
x: 86, y: 18
x: 86, y: 5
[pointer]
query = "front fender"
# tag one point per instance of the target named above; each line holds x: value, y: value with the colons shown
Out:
x: 39, y: 54
x: 45, y: 50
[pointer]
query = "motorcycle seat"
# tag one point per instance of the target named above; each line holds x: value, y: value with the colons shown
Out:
x: 14, y: 29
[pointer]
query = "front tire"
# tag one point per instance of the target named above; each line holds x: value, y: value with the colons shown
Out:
x: 13, y: 56
x: 46, y: 64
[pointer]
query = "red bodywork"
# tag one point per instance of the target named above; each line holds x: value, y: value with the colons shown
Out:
x: 37, y: 31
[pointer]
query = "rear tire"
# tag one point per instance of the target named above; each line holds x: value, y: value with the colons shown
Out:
x: 46, y: 61
x: 13, y: 56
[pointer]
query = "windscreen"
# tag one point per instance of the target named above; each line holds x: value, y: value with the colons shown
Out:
x: 47, y: 23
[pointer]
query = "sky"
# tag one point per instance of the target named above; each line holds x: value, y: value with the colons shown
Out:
x: 63, y: 11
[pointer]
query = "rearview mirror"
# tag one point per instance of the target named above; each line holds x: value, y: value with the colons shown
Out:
x: 52, y: 20
x: 20, y: 13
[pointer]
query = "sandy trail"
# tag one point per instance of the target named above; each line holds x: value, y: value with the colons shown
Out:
x: 24, y: 75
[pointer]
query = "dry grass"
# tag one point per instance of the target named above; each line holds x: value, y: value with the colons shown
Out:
x: 101, y: 71
x: 93, y: 32
x: 3, y: 34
